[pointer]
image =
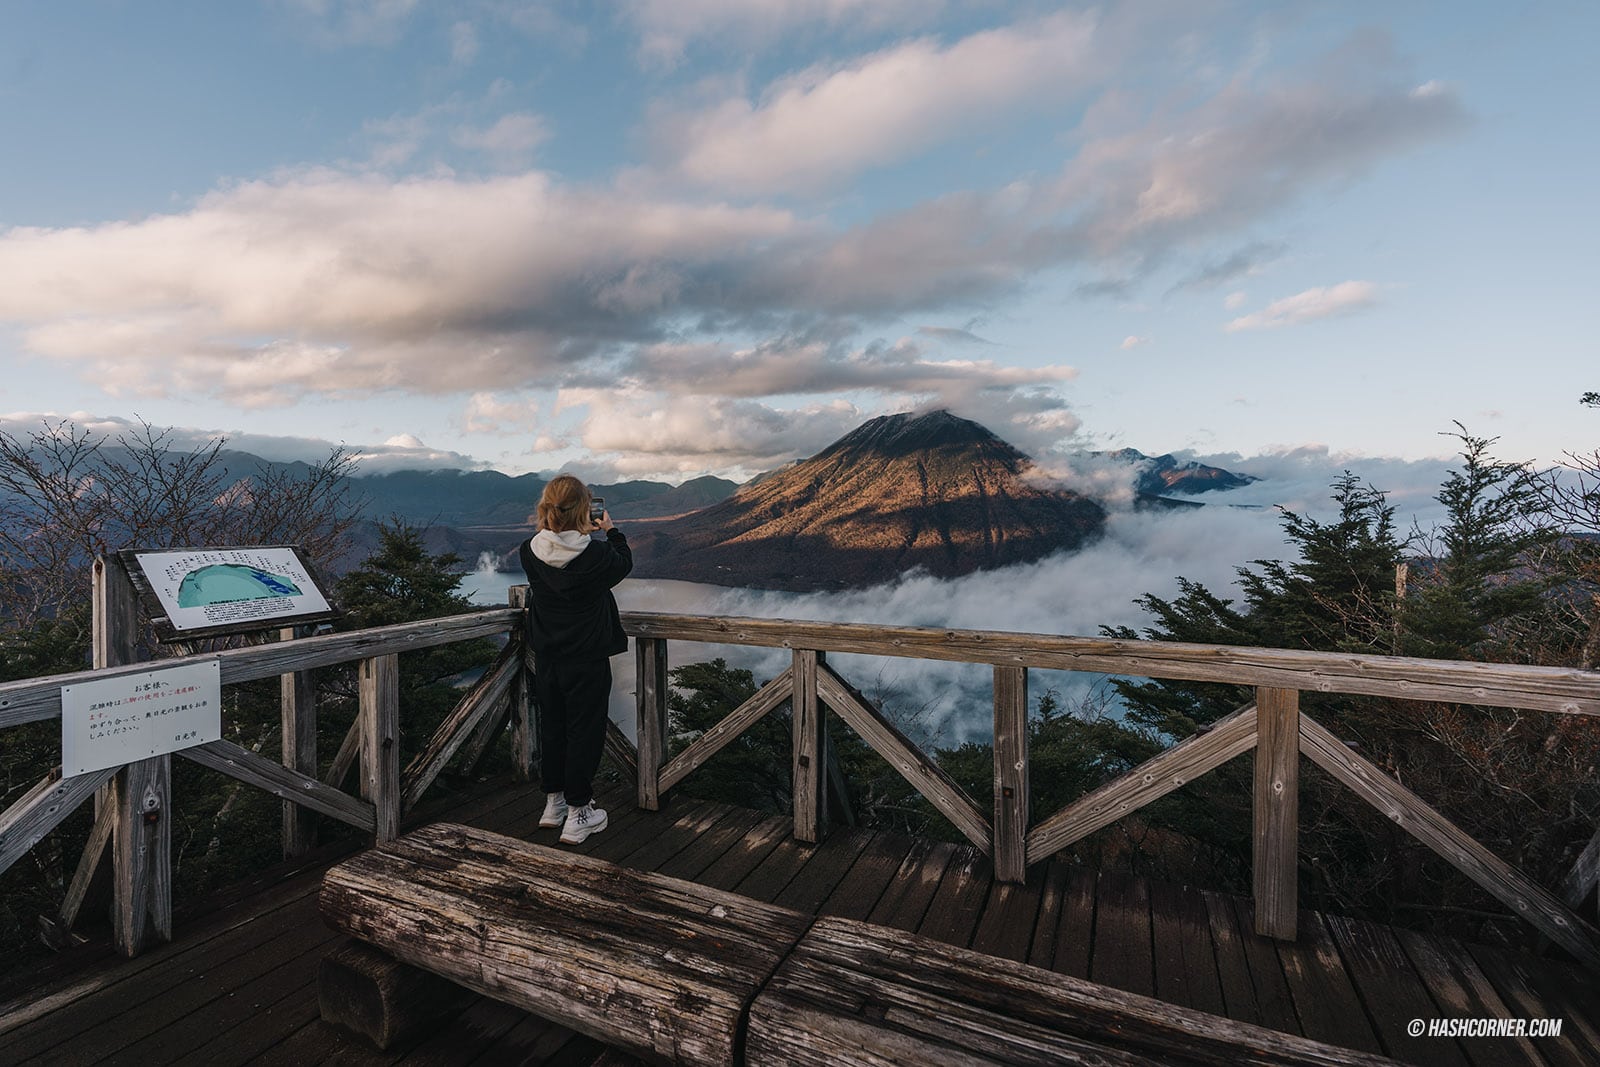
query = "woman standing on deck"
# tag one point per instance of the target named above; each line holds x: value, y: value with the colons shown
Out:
x: 574, y: 629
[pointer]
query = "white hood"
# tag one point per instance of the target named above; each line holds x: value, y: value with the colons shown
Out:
x: 558, y: 549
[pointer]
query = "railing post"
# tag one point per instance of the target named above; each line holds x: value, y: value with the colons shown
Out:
x: 651, y: 734
x: 298, y: 702
x: 810, y: 750
x: 141, y: 794
x: 1277, y: 812
x: 380, y: 741
x: 524, y: 710
x: 1010, y: 773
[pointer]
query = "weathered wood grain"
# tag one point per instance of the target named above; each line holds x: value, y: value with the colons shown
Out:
x: 728, y: 730
x: 1512, y: 888
x: 94, y: 851
x: 861, y: 994
x: 1276, y: 838
x: 1153, y: 779
x: 651, y: 725
x: 297, y: 699
x: 345, y: 758
x: 292, y: 786
x: 1557, y: 689
x: 659, y: 967
x: 141, y: 854
x: 375, y: 996
x: 485, y: 696
x: 1011, y: 773
x: 1580, y: 882
x: 809, y: 753
x: 524, y: 709
x: 33, y: 699
x: 41, y: 810
x: 622, y: 753
x: 379, y: 718
x: 905, y: 757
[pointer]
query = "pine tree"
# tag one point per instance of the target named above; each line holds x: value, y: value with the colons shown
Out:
x: 1476, y: 587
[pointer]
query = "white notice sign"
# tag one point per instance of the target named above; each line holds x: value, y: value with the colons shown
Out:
x: 113, y: 721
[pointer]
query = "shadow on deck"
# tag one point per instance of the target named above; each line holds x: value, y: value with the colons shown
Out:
x: 239, y: 983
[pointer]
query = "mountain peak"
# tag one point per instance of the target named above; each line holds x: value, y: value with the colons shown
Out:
x: 900, y: 491
x: 906, y: 432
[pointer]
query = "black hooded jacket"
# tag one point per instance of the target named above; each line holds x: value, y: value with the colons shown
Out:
x: 571, y: 612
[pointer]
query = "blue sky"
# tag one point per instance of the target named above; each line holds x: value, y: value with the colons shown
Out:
x: 668, y: 237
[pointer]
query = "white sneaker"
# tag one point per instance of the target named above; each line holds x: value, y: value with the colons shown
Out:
x: 581, y: 822
x: 555, y: 811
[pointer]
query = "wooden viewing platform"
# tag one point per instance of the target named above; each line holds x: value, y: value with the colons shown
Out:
x: 238, y: 984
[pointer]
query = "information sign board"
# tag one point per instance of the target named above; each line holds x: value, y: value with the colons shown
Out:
x: 202, y: 592
x: 129, y: 717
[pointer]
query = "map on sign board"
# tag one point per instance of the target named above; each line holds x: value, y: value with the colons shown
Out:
x: 112, y: 721
x: 193, y: 592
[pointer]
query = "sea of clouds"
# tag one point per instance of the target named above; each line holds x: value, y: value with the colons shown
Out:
x: 1073, y: 593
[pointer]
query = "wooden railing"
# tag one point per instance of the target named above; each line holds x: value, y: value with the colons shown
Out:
x: 1272, y: 725
x: 133, y: 802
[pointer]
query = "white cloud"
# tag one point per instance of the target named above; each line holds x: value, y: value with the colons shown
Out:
x: 463, y: 44
x: 814, y: 128
x: 1308, y: 306
x: 1235, y: 301
x: 486, y: 412
x: 402, y: 451
x: 1132, y: 341
x: 333, y: 283
x: 667, y: 28
x: 338, y: 23
x: 510, y: 140
x: 637, y: 434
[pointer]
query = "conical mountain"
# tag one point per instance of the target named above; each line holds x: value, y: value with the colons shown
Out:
x: 902, y: 491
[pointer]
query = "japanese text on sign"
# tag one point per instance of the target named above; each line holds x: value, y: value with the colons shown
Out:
x: 112, y: 721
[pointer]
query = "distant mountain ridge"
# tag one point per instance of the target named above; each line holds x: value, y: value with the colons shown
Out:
x: 901, y: 491
x: 1159, y: 475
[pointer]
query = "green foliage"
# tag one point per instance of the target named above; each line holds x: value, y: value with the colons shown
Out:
x: 1477, y: 588
x: 753, y: 771
x: 403, y: 582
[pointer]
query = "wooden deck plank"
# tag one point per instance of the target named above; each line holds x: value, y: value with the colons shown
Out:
x: 244, y: 990
x: 1006, y: 927
x: 710, y: 846
x: 953, y: 913
x: 1233, y: 966
x: 1122, y: 952
x: 1462, y: 991
x: 1273, y: 999
x: 1185, y: 963
x: 1391, y: 991
x: 817, y: 880
x: 101, y: 1026
x: 1079, y: 913
x: 1529, y: 997
x: 1324, y: 997
x: 864, y: 884
x: 777, y: 869
x: 1047, y: 923
x: 906, y: 900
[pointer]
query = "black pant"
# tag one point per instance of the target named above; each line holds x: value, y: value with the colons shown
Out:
x: 573, y: 701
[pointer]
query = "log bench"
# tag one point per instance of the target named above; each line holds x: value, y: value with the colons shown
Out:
x: 679, y: 973
x: 662, y: 968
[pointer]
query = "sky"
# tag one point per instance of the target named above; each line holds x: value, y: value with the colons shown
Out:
x: 664, y: 238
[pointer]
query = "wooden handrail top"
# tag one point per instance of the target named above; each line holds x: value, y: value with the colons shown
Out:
x: 34, y: 699
x: 1510, y: 685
